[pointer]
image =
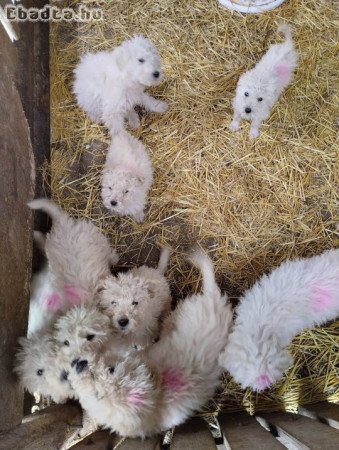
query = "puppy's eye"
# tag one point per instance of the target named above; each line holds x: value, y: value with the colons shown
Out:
x: 113, y: 302
x: 246, y: 94
x: 135, y: 303
x: 66, y: 343
x: 260, y: 99
x: 141, y: 60
x: 126, y: 192
x: 111, y: 370
x: 109, y: 187
x: 39, y: 372
x: 90, y: 337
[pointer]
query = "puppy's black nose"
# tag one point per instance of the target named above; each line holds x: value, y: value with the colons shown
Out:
x: 156, y: 74
x: 123, y: 322
x: 114, y: 203
x: 81, y: 366
x: 64, y: 375
x: 74, y: 362
x: 248, y: 110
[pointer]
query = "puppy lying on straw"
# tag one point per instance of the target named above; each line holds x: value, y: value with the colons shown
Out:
x: 136, y: 301
x: 159, y: 388
x: 297, y: 295
x: 126, y: 177
x: 109, y: 84
x: 78, y: 256
x: 259, y: 88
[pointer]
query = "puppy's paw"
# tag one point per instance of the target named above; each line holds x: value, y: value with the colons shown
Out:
x: 161, y: 107
x: 234, y: 126
x: 114, y: 258
x: 133, y: 120
x: 139, y: 217
x: 254, y: 133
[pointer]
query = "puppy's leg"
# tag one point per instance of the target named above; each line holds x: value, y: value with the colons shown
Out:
x: 113, y: 120
x: 234, y: 125
x: 152, y: 104
x: 133, y: 118
x: 254, y: 130
x: 138, y: 216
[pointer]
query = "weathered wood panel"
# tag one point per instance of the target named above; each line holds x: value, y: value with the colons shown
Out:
x: 243, y: 432
x: 327, y: 413
x: 138, y: 444
x: 16, y: 188
x: 193, y: 435
x: 100, y: 440
x: 44, y: 430
x: 305, y: 433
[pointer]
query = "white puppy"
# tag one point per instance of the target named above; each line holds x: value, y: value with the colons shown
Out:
x: 259, y: 88
x: 41, y: 367
x: 127, y: 177
x: 159, y: 388
x: 109, y: 84
x: 136, y: 301
x: 78, y: 255
x: 298, y: 294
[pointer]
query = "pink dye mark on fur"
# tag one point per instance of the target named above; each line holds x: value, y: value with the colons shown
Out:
x: 136, y: 398
x: 52, y: 302
x: 73, y: 295
x: 321, y: 298
x: 173, y: 381
x: 282, y: 72
x: 263, y: 381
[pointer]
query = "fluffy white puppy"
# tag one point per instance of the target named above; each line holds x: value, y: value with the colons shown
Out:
x: 298, y: 294
x: 79, y: 257
x: 136, y: 301
x: 41, y: 367
x: 161, y: 387
x: 127, y: 176
x: 109, y: 84
x: 259, y: 88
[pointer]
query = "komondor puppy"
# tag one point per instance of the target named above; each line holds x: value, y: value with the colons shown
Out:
x: 79, y: 257
x: 126, y: 177
x: 42, y: 368
x: 109, y: 84
x: 298, y: 294
x: 159, y: 388
x: 259, y: 88
x: 136, y: 301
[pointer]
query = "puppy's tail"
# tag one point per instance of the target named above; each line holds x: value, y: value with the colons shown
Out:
x: 200, y: 260
x: 40, y: 240
x: 163, y: 260
x: 285, y: 30
x: 49, y: 207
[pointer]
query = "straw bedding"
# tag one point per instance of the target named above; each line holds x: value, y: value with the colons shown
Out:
x: 252, y: 204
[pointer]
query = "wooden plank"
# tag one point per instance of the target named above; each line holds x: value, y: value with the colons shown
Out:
x: 193, y: 435
x: 46, y: 429
x: 305, y: 433
x: 325, y: 412
x: 242, y: 431
x: 100, y: 440
x: 138, y: 444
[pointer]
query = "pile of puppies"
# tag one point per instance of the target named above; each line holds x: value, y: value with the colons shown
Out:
x: 112, y: 342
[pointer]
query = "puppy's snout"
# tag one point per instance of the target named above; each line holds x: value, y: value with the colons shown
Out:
x: 156, y: 74
x: 74, y: 362
x: 114, y: 203
x: 123, y: 322
x: 64, y: 375
x: 81, y: 366
x: 248, y: 110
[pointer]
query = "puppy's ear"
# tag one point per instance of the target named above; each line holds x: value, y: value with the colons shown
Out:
x: 151, y: 289
x: 121, y: 58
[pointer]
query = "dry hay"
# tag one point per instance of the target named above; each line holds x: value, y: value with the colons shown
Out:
x: 254, y: 204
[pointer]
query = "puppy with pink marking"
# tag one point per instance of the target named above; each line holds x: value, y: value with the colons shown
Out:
x: 159, y: 388
x: 78, y: 256
x: 259, y: 88
x: 299, y: 294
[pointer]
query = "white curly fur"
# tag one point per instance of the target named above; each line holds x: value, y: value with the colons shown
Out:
x: 42, y: 368
x: 109, y: 84
x: 136, y: 301
x: 79, y: 257
x: 298, y: 294
x: 161, y: 387
x: 126, y: 177
x: 266, y: 81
